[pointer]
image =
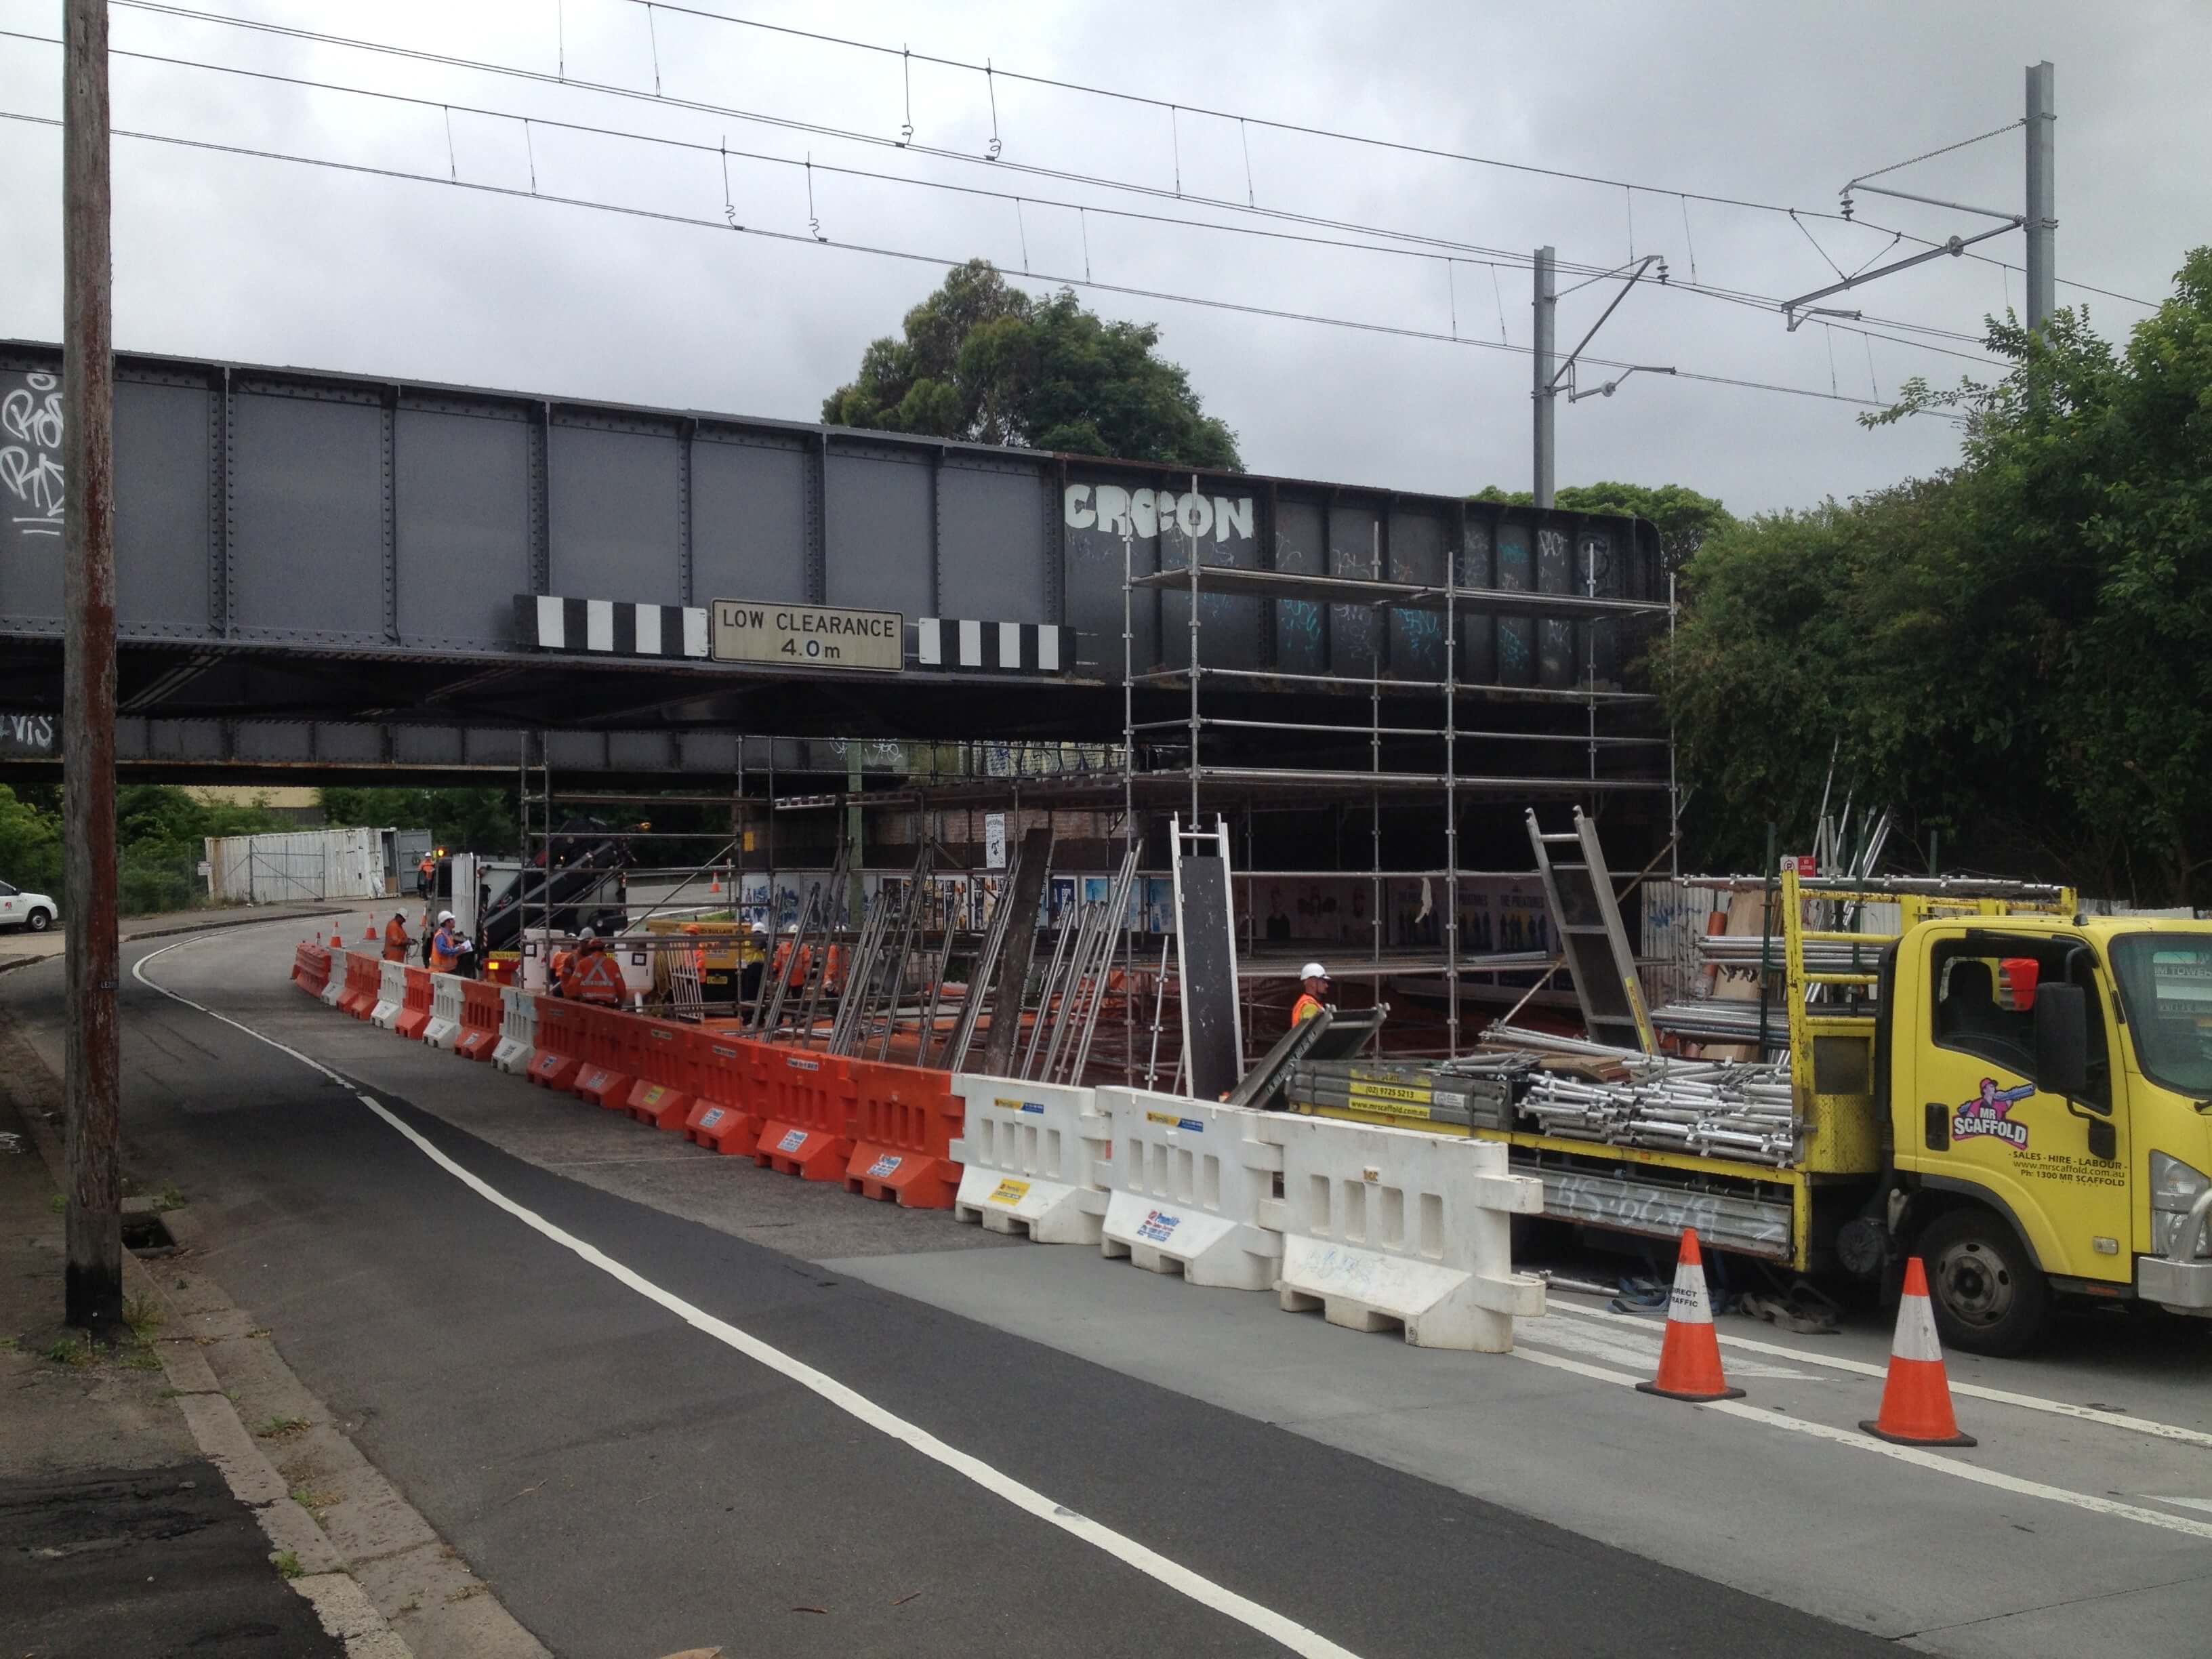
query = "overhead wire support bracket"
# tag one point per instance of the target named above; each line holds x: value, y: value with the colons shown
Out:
x: 1634, y: 277
x: 1955, y: 247
x: 1575, y: 394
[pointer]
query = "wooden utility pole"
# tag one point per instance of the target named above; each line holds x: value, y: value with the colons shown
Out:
x: 92, y: 1069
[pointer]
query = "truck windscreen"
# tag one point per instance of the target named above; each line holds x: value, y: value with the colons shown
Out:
x: 2165, y: 985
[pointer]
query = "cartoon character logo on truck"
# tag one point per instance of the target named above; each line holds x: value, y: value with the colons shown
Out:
x: 1990, y: 1114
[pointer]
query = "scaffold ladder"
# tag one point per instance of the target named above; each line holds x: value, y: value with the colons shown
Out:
x: 1586, y: 923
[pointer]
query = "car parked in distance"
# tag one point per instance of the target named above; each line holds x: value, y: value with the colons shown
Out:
x: 21, y: 909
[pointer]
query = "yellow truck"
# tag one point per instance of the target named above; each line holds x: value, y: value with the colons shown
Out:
x: 2018, y: 1093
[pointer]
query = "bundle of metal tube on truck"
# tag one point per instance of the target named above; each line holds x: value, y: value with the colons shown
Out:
x: 1743, y: 1113
x: 1822, y: 956
x: 1472, y: 1093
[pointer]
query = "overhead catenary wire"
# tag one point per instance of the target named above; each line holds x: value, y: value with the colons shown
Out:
x: 1415, y: 239
x: 1370, y: 140
x: 940, y: 261
x: 722, y: 149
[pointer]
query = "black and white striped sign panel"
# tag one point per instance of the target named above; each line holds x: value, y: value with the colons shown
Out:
x: 617, y: 628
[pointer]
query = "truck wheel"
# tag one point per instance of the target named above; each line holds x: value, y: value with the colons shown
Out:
x: 1989, y: 1296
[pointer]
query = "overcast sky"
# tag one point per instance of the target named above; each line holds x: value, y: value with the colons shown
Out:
x: 267, y: 261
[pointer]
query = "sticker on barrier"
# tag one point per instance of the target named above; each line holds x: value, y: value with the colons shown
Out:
x: 1392, y: 1227
x: 806, y: 1108
x: 1030, y: 1154
x: 444, y: 1026
x: 609, y: 1064
x: 391, y: 994
x: 905, y: 1119
x: 518, y: 1030
x: 1187, y: 1180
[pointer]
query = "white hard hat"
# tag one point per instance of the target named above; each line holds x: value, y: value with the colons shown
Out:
x: 585, y: 932
x: 1313, y: 970
x: 444, y: 916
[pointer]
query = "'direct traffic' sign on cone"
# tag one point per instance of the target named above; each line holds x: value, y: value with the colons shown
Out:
x: 1916, y: 1399
x: 1690, y: 1358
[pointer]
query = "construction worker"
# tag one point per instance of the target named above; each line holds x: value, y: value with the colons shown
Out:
x: 428, y: 934
x: 597, y: 977
x: 1314, y: 980
x: 755, y: 965
x: 559, y: 966
x: 426, y: 875
x: 446, y: 944
x: 396, y: 937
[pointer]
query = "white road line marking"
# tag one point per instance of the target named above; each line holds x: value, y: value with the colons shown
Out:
x: 1204, y: 1591
x: 1913, y: 1454
x: 2205, y: 1504
x: 1624, y: 1346
x: 1975, y: 1390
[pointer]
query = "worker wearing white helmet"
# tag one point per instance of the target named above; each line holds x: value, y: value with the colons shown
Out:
x: 1314, y: 980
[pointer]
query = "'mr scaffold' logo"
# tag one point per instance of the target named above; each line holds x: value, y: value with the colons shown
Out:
x: 1990, y: 1114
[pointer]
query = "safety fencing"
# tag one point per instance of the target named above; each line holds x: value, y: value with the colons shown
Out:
x: 415, y: 1006
x: 518, y: 1030
x: 391, y: 994
x: 724, y: 1113
x: 1377, y: 1228
x: 1383, y: 1227
x: 444, y: 1026
x: 334, y: 983
x: 1185, y: 1182
x: 1031, y: 1155
x: 481, y: 1014
x: 311, y: 966
x: 905, y: 1119
x: 806, y: 1113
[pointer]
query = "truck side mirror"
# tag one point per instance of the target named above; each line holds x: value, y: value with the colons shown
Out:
x: 2061, y: 1041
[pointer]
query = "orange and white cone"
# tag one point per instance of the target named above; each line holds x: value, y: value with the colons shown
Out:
x: 1916, y: 1398
x: 1690, y: 1358
x: 369, y: 933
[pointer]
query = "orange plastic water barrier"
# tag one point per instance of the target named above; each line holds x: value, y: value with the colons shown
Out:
x: 610, y: 1057
x: 480, y: 1018
x: 905, y: 1119
x: 415, y: 1012
x: 364, y: 978
x: 725, y: 1111
x: 806, y: 1111
x: 311, y: 966
x: 667, y: 1074
x: 560, y: 1044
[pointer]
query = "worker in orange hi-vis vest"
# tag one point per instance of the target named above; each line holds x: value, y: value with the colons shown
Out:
x: 1314, y: 980
x: 396, y: 937
x: 597, y: 977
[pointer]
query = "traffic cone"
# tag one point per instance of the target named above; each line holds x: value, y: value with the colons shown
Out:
x: 369, y: 933
x: 1690, y: 1358
x: 1916, y: 1398
x: 336, y: 944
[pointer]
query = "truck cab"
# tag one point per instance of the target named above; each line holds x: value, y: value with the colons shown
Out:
x: 2048, y: 1085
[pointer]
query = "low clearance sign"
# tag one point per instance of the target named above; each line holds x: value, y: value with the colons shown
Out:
x: 787, y: 636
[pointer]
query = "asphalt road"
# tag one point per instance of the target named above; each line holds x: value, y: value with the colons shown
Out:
x: 631, y: 1482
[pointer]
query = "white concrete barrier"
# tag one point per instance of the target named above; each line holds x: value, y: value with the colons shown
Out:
x: 518, y: 1030
x: 334, y: 987
x: 1186, y: 1180
x: 1031, y: 1153
x: 1391, y: 1226
x: 445, y: 1012
x: 390, y: 995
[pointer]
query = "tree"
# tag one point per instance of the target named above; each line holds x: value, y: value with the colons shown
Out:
x: 1683, y: 518
x: 458, y: 820
x: 982, y: 361
x: 2018, y: 650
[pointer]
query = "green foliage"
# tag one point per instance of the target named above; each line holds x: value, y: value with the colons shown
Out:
x: 983, y: 362
x: 2018, y: 651
x: 1683, y: 518
x: 460, y: 820
x: 30, y: 844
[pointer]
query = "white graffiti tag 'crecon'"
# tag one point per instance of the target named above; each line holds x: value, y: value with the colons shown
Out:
x: 1145, y: 513
x: 30, y: 467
